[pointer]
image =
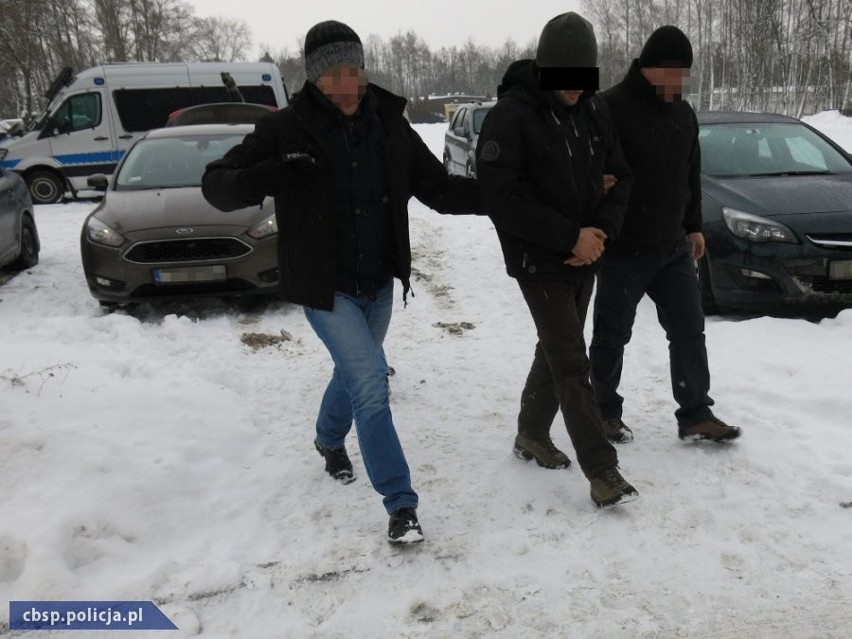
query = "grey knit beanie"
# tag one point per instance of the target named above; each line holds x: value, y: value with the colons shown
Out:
x: 567, y: 53
x: 329, y: 44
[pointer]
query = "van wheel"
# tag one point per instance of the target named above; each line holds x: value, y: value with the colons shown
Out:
x: 46, y: 187
x: 29, y: 246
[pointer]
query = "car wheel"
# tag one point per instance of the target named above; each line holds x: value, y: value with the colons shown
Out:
x: 46, y: 187
x: 708, y: 301
x: 29, y: 246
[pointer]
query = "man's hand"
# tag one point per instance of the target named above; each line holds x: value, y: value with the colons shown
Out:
x: 266, y: 178
x: 609, y: 181
x: 697, y: 240
x: 589, y: 247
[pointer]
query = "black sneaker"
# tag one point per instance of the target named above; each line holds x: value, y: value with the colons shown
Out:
x: 403, y: 527
x: 337, y: 463
x: 712, y: 429
x: 617, y: 431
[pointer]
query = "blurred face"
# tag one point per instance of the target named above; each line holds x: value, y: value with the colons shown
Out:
x: 345, y: 86
x: 568, y: 98
x: 669, y: 82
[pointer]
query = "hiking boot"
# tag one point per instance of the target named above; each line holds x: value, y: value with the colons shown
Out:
x: 617, y: 431
x: 713, y: 429
x: 543, y: 452
x: 609, y: 488
x: 337, y: 463
x: 403, y: 527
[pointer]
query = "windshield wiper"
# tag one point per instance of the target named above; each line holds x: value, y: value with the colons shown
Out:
x: 782, y: 173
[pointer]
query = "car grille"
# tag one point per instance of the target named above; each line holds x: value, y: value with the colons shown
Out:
x: 827, y: 286
x: 833, y: 241
x: 194, y: 250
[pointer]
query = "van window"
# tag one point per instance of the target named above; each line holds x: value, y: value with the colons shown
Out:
x: 146, y: 109
x: 78, y: 112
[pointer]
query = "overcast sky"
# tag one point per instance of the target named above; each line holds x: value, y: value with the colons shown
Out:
x: 281, y: 24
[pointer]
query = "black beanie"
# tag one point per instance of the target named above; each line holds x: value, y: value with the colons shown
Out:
x: 567, y: 54
x: 568, y: 40
x: 329, y: 44
x: 668, y: 46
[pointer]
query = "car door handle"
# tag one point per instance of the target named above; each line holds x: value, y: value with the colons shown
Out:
x: 124, y: 137
x: 101, y: 138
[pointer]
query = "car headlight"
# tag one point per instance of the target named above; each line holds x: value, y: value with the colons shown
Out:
x: 100, y: 233
x: 267, y: 227
x: 755, y: 228
x: 3, y: 153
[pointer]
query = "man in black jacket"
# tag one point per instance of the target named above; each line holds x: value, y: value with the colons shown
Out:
x: 541, y: 158
x: 661, y: 237
x: 342, y: 163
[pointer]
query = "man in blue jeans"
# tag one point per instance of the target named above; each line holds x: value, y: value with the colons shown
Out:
x: 342, y: 163
x: 660, y: 238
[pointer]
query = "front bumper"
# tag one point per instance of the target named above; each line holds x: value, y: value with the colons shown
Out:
x: 121, y: 275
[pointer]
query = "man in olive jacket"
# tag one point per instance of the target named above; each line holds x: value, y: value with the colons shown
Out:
x: 542, y: 155
x: 661, y: 237
x: 342, y: 163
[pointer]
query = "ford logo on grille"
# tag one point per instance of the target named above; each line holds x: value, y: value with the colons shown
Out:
x: 184, y: 231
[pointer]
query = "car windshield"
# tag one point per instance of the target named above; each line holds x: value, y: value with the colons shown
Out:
x: 764, y: 149
x: 173, y: 162
x: 478, y: 118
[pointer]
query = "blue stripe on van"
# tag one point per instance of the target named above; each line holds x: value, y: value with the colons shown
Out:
x: 9, y: 164
x: 89, y: 158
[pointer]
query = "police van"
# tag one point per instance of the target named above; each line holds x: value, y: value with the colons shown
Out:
x: 93, y: 117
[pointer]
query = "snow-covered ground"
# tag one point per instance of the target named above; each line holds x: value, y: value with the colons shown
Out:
x: 156, y: 456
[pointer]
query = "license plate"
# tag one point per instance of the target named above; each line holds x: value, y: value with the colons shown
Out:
x: 840, y: 270
x: 190, y: 275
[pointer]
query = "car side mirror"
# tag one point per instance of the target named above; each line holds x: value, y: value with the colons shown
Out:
x: 98, y: 181
x: 459, y: 131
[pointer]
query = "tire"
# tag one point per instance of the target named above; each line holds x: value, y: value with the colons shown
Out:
x: 46, y: 187
x: 708, y: 301
x: 29, y: 246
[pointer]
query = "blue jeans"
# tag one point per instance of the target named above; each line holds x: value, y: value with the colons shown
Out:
x: 353, y: 333
x: 671, y: 282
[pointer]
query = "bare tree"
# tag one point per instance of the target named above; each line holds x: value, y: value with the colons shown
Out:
x: 221, y: 39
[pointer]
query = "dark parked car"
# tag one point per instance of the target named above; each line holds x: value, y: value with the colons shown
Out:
x: 19, y: 243
x: 460, y: 138
x: 154, y: 236
x: 777, y: 210
x: 220, y: 113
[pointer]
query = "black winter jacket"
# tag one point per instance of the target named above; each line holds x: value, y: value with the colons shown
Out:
x: 540, y: 165
x: 305, y: 208
x: 660, y: 142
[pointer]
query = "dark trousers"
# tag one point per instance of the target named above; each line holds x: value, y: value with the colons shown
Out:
x: 671, y: 282
x: 559, y: 376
